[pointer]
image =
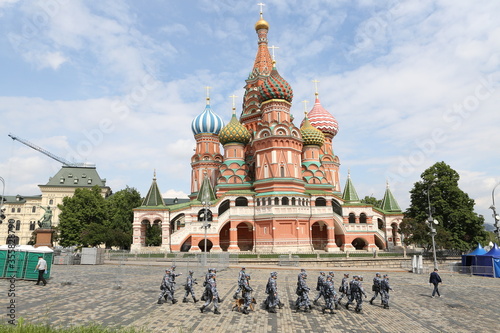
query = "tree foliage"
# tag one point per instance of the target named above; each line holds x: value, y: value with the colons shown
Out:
x: 372, y: 201
x: 88, y: 219
x: 459, y: 226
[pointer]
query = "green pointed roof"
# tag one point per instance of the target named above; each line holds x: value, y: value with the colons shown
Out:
x: 389, y: 203
x: 206, y: 193
x: 350, y: 194
x: 153, y: 198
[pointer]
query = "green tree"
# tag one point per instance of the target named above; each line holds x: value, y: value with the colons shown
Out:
x: 372, y: 201
x: 82, y: 218
x: 153, y: 235
x: 459, y: 226
x: 121, y: 216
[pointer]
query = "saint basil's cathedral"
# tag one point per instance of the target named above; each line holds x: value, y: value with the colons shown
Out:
x: 274, y: 188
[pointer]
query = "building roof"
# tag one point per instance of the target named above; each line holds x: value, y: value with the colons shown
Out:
x: 350, y: 195
x: 71, y: 176
x: 389, y: 203
x: 153, y: 198
x: 19, y: 199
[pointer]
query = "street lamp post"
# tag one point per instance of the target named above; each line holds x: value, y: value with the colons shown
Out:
x: 2, y: 215
x: 430, y: 221
x: 495, y: 216
x: 206, y: 225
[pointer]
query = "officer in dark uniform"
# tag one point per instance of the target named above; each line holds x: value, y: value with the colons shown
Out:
x: 172, y: 282
x: 319, y: 287
x: 384, y: 291
x: 272, y: 300
x: 344, y: 288
x: 303, y: 293
x: 376, y: 287
x: 212, y: 294
x: 241, y: 277
x: 165, y: 288
x: 329, y: 293
x: 189, y: 287
x: 246, y: 293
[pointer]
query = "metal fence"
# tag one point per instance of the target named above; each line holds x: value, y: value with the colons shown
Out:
x: 288, y: 260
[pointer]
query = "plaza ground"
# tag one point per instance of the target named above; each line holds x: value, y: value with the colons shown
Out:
x: 126, y: 295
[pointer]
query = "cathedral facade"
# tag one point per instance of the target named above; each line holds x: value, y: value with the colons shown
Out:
x: 274, y: 186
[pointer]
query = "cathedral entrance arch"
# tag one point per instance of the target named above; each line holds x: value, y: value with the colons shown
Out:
x: 224, y: 236
x: 319, y: 235
x: 359, y: 243
x: 245, y: 236
x: 186, y: 246
x: 201, y: 245
x: 379, y: 242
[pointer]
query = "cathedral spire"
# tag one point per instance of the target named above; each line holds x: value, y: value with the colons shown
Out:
x: 389, y: 203
x: 350, y: 195
x: 153, y: 198
x: 263, y: 62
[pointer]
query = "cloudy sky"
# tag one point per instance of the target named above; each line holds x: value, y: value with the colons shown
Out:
x: 117, y: 83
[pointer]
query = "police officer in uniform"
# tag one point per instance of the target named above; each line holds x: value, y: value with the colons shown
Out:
x: 344, y: 288
x: 384, y: 291
x: 189, y: 287
x: 241, y: 277
x: 303, y: 293
x: 165, y: 288
x: 246, y: 293
x: 272, y: 300
x: 212, y: 294
x: 319, y: 287
x: 376, y: 287
x: 329, y: 294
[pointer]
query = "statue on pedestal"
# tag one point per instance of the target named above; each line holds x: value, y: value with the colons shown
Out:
x: 46, y: 221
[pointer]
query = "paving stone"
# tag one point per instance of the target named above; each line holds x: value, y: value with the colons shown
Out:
x: 469, y: 303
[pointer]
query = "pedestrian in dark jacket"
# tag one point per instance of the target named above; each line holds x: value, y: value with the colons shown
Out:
x: 435, y: 279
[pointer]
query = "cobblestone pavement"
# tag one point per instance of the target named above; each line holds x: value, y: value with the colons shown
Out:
x: 126, y: 295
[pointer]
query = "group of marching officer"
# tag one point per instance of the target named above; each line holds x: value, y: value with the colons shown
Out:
x: 353, y: 291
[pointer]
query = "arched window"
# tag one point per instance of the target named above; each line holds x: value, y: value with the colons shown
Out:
x: 33, y: 209
x: 19, y: 210
x: 282, y: 171
x: 285, y: 201
x: 352, y: 218
x: 266, y: 171
x: 258, y: 202
x: 223, y: 207
x: 241, y: 201
x: 269, y: 201
x: 362, y: 218
x: 293, y: 201
x: 32, y: 225
x: 18, y: 225
x: 276, y: 201
x: 201, y: 215
x: 320, y: 201
x: 337, y: 208
x: 51, y: 202
x: 380, y: 224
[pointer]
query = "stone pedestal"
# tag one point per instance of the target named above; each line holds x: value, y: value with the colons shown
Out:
x: 44, y: 237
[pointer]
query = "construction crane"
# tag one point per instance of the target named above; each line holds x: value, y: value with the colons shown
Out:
x: 49, y: 154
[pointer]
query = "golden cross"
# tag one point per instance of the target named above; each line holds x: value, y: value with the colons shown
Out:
x: 233, y: 96
x: 273, y: 48
x: 315, y: 86
x: 208, y: 93
x: 305, y: 105
x: 261, y: 5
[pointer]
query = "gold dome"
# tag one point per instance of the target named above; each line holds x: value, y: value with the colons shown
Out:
x: 261, y: 24
x: 311, y: 135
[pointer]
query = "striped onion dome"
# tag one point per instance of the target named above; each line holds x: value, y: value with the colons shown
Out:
x: 310, y: 134
x: 322, y: 119
x: 207, y: 122
x: 275, y: 87
x: 234, y: 131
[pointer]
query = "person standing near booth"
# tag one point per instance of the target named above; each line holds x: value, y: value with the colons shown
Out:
x: 41, y: 267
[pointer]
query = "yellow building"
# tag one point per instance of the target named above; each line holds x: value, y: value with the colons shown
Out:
x: 25, y: 211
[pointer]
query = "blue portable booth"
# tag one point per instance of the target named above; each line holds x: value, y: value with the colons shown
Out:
x: 490, y: 259
x: 469, y: 259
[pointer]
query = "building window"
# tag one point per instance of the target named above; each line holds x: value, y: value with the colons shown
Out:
x: 51, y: 202
x: 13, y: 210
x: 282, y: 172
x: 18, y: 225
x: 32, y: 225
x: 293, y: 201
x: 276, y: 201
x: 33, y: 209
x: 362, y: 218
x: 352, y: 218
x: 285, y: 201
x: 320, y: 201
x: 19, y: 210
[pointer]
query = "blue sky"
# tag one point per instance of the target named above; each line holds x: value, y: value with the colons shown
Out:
x: 117, y: 83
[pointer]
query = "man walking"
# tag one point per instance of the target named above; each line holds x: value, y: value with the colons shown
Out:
x: 246, y: 293
x: 344, y: 288
x: 189, y: 287
x: 212, y: 294
x: 329, y: 294
x: 303, y: 293
x: 273, y: 299
x: 384, y: 291
x: 41, y: 267
x: 435, y: 279
x: 241, y: 278
x: 376, y: 287
x: 319, y: 287
x: 165, y: 288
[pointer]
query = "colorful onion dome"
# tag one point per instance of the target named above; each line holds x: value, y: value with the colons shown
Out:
x: 310, y: 134
x: 234, y: 131
x: 322, y: 119
x: 275, y: 87
x: 207, y: 122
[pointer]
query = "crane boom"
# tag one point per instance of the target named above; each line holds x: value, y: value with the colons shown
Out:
x: 45, y: 152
